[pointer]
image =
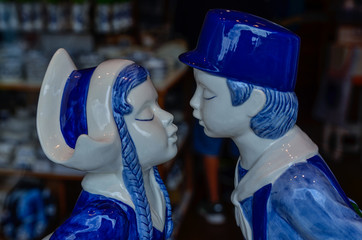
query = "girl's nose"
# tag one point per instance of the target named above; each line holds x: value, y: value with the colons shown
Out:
x: 165, y: 117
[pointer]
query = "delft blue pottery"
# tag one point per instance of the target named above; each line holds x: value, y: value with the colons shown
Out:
x: 98, y: 217
x: 73, y: 119
x: 305, y: 194
x: 89, y: 120
x: 247, y: 48
x: 245, y: 69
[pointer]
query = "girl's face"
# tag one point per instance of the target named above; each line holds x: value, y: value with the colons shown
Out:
x: 150, y: 127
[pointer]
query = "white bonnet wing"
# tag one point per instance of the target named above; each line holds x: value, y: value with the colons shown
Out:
x: 100, y: 150
x: 49, y: 103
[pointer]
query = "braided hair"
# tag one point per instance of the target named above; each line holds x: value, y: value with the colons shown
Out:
x: 130, y: 77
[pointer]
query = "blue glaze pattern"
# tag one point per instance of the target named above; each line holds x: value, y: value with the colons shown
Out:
x: 241, y: 172
x: 98, y: 217
x: 259, y: 219
x: 303, y: 204
x: 282, y: 195
x: 114, y: 204
x: 169, y: 222
x: 316, y: 160
x: 73, y: 114
x: 278, y: 115
x: 239, y: 91
x: 130, y: 77
x: 247, y: 48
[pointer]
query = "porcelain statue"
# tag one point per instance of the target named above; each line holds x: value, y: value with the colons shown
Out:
x: 245, y: 68
x: 106, y: 122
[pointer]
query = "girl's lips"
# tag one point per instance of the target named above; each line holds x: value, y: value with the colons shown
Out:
x: 173, y: 138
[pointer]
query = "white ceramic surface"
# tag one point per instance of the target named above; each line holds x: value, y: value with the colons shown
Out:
x: 266, y: 160
x: 49, y: 103
x: 99, y: 153
x: 102, y: 140
x: 245, y: 91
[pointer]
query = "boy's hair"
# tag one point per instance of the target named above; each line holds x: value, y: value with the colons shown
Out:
x: 278, y: 115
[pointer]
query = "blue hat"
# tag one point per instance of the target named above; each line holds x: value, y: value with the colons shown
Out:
x: 247, y: 48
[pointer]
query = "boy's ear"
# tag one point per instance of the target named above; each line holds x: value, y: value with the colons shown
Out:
x: 256, y: 102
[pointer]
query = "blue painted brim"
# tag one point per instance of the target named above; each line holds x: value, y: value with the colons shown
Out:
x: 196, y: 60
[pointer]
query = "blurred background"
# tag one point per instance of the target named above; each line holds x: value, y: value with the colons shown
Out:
x: 36, y: 195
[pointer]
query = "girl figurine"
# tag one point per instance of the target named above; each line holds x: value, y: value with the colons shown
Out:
x: 106, y: 121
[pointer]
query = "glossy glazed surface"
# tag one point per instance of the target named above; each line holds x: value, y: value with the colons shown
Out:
x: 245, y: 69
x: 151, y: 127
x: 298, y: 206
x: 98, y: 217
x: 99, y: 102
x: 73, y: 114
x: 106, y: 122
x: 247, y: 48
x: 102, y: 139
x: 49, y: 132
x: 213, y: 107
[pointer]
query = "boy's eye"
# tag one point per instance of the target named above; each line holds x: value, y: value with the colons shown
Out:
x: 208, y: 95
x: 145, y: 115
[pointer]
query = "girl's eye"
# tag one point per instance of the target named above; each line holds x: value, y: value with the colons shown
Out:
x: 145, y: 115
x: 208, y: 95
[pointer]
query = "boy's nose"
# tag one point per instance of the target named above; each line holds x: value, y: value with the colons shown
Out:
x: 195, y: 100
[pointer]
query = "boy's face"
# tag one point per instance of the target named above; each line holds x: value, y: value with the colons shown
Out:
x: 213, y: 108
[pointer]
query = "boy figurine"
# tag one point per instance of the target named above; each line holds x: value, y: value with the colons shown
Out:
x: 245, y: 69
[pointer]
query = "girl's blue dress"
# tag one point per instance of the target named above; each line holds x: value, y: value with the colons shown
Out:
x: 99, y: 217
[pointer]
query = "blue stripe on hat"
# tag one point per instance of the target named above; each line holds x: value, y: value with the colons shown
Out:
x: 73, y: 109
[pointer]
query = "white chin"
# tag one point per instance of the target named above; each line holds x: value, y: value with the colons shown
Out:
x: 173, y: 151
x: 212, y: 134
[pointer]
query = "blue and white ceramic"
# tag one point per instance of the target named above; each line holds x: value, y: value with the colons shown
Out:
x: 106, y: 122
x: 245, y: 70
x: 247, y: 48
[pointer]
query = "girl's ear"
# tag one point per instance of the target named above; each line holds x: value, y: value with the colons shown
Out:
x: 256, y: 102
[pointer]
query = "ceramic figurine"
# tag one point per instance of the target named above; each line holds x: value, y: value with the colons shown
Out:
x: 106, y: 121
x: 245, y: 69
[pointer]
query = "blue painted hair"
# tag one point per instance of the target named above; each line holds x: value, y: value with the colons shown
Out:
x: 130, y: 77
x: 277, y: 117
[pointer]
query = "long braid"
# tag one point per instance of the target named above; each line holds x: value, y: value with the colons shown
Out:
x: 169, y: 223
x: 130, y: 77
